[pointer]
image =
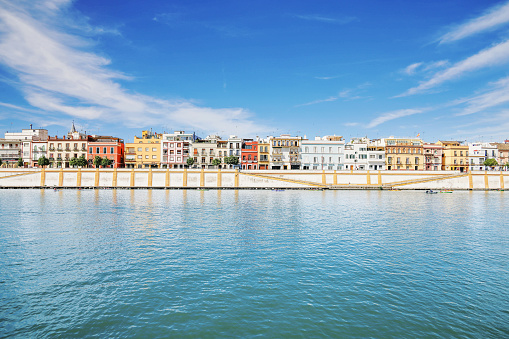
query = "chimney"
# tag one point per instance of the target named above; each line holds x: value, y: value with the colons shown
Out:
x: 30, y: 126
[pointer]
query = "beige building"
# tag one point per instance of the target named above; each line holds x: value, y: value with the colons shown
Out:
x: 404, y: 154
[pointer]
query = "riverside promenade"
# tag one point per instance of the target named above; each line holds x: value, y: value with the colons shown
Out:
x: 235, y: 179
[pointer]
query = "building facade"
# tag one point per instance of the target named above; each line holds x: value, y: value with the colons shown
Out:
x: 144, y: 152
x: 284, y: 152
x: 106, y: 147
x: 364, y: 154
x: 323, y: 153
x: 249, y: 154
x: 454, y: 156
x: 176, y: 148
x: 432, y: 157
x: 10, y: 152
x: 204, y: 151
x: 404, y: 154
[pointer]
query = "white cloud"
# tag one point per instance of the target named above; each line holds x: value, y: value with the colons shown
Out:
x: 321, y: 18
x: 493, y: 56
x: 497, y: 95
x: 493, y: 18
x: 411, y: 69
x: 58, y: 75
x: 393, y: 115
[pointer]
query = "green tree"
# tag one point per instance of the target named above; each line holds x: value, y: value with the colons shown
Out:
x: 97, y: 161
x: 73, y: 162
x: 231, y: 160
x: 190, y: 161
x: 216, y: 162
x: 506, y: 165
x: 81, y: 161
x: 490, y: 162
x: 20, y: 162
x: 106, y: 162
x: 43, y: 161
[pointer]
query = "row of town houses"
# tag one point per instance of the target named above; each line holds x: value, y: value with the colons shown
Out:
x: 284, y: 152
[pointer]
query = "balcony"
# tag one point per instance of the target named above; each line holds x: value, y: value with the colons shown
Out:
x: 52, y: 148
x: 67, y: 149
x: 59, y: 149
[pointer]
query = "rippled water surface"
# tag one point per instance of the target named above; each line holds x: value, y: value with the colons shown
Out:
x: 143, y: 263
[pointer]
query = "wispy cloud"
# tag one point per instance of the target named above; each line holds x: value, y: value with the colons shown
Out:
x: 388, y: 116
x: 424, y: 67
x: 497, y: 94
x: 325, y: 19
x: 491, y: 19
x: 493, y: 56
x: 59, y: 74
x: 347, y: 94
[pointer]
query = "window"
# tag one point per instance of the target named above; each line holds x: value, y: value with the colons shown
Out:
x: 146, y: 149
x: 146, y: 156
x: 90, y: 150
x: 154, y: 157
x: 154, y: 149
x: 104, y: 150
x: 111, y: 150
x: 139, y: 149
x: 97, y: 150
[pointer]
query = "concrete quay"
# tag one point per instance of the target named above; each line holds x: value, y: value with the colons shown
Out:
x: 235, y: 179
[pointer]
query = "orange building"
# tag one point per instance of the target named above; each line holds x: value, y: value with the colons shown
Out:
x: 106, y: 147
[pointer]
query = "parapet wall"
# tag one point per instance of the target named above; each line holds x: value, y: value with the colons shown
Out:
x: 230, y: 179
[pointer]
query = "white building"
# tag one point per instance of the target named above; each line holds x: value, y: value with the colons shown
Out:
x: 10, y: 151
x: 204, y: 151
x: 478, y: 152
x: 364, y: 154
x: 175, y: 149
x: 27, y: 136
x: 323, y: 153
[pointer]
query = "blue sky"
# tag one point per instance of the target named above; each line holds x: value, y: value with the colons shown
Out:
x: 257, y: 68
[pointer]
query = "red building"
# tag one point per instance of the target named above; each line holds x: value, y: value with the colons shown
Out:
x: 106, y: 147
x: 249, y: 154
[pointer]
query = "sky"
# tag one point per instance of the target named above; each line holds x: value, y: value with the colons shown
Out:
x: 438, y: 69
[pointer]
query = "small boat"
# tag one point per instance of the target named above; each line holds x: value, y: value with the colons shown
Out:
x: 446, y: 191
x: 431, y: 192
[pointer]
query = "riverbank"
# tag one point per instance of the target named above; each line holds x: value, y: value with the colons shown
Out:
x: 84, y: 178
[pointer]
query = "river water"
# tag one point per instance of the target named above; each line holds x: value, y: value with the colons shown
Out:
x: 156, y: 263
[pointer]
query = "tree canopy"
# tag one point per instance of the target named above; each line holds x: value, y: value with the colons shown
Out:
x: 190, y: 161
x: 43, y: 161
x: 106, y: 162
x: 231, y: 160
x: 216, y: 162
x: 82, y: 161
x: 97, y: 161
x: 20, y: 162
x: 490, y: 162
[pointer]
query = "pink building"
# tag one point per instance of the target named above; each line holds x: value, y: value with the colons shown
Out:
x: 432, y: 157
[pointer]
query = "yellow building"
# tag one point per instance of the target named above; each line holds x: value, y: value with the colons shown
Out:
x: 454, y: 156
x: 144, y: 152
x: 404, y: 154
x: 263, y: 154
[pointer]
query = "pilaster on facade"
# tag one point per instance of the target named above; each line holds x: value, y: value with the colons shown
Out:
x: 322, y: 153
